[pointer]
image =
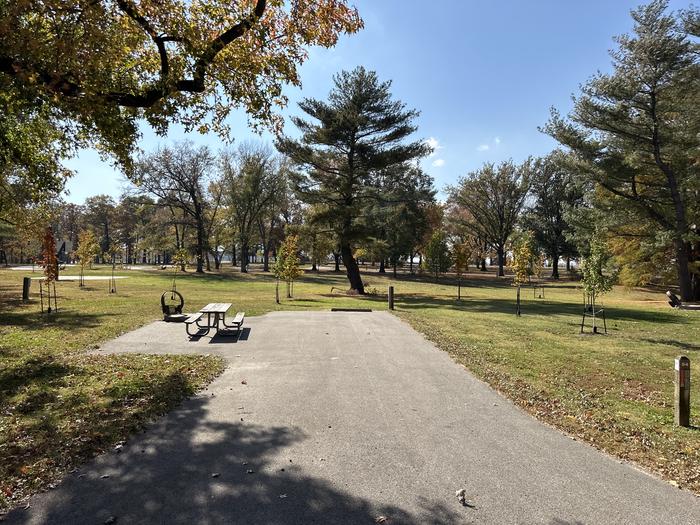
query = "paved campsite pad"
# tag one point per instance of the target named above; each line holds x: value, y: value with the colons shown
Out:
x: 343, y: 418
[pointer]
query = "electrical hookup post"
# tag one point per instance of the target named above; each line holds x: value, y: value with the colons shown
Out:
x: 681, y: 397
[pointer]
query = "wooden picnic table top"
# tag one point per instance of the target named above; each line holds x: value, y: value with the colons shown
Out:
x: 216, y: 308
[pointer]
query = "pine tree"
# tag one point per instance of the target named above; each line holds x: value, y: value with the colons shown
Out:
x: 354, y: 142
x: 634, y: 135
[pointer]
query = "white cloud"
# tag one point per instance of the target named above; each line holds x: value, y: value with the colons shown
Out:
x: 439, y: 163
x: 483, y: 147
x: 434, y: 145
x: 497, y: 140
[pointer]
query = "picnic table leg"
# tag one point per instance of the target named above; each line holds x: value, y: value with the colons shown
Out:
x: 203, y: 327
x: 199, y: 330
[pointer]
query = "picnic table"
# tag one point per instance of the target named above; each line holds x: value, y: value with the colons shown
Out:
x: 216, y: 318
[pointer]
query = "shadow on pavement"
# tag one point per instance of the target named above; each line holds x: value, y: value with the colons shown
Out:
x: 232, y: 337
x: 190, y: 470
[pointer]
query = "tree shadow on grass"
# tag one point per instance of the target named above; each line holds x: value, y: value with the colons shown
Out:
x: 682, y: 345
x: 189, y: 468
x: 62, y: 318
x: 532, y: 307
x: 40, y: 372
x: 57, y: 424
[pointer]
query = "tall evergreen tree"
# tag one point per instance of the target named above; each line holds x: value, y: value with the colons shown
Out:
x: 634, y: 134
x: 354, y: 141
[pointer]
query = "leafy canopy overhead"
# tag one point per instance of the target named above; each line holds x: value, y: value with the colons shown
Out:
x: 31, y: 148
x: 103, y: 64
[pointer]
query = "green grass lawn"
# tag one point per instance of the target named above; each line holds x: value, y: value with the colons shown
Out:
x: 60, y: 405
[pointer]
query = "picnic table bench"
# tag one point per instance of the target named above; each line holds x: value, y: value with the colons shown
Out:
x: 216, y: 318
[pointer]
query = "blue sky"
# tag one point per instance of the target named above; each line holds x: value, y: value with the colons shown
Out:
x: 483, y: 73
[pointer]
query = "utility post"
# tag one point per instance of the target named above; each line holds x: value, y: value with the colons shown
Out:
x: 681, y: 397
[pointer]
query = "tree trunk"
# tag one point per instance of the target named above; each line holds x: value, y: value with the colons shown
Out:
x: 682, y: 248
x: 244, y: 257
x: 266, y: 258
x: 500, y: 251
x: 336, y: 258
x: 410, y: 264
x: 200, y: 245
x: 382, y: 269
x: 568, y: 264
x: 233, y: 255
x: 313, y: 265
x: 394, y: 268
x: 483, y: 265
x: 685, y: 285
x: 695, y: 276
x: 352, y: 270
x: 555, y: 266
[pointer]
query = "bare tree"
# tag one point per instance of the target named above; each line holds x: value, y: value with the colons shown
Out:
x: 179, y: 177
x: 494, y: 196
x: 254, y: 184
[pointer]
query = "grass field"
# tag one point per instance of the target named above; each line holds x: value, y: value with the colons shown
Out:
x: 59, y: 405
